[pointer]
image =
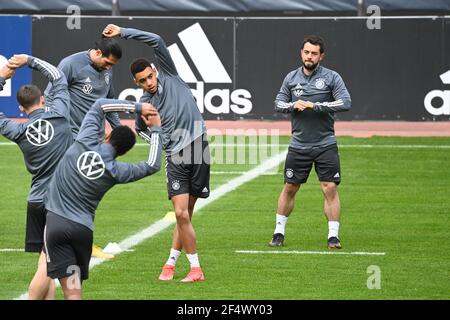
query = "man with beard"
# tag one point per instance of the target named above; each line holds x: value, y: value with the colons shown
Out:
x: 312, y: 94
x: 89, y: 78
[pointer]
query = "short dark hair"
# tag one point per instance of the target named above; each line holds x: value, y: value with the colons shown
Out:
x: 139, y: 65
x: 122, y: 139
x: 28, y: 95
x: 315, y: 40
x: 109, y: 46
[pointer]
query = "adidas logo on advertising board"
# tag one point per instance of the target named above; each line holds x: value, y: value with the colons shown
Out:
x: 442, y: 95
x: 217, y: 100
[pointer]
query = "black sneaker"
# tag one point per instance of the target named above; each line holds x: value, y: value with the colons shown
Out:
x: 334, y: 243
x: 277, y: 240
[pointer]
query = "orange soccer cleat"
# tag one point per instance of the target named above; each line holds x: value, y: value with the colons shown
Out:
x: 167, y: 272
x: 196, y: 274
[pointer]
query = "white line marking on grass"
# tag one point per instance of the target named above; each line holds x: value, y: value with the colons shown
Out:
x: 12, y: 250
x: 395, y: 146
x: 387, y: 146
x: 254, y: 145
x: 313, y: 252
x: 369, y: 146
x: 241, y: 172
x: 216, y: 194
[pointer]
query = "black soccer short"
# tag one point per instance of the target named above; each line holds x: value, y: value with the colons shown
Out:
x: 299, y: 163
x: 188, y: 171
x: 34, y: 233
x: 68, y: 246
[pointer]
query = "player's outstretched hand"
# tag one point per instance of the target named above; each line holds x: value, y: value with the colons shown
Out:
x: 17, y: 61
x: 111, y: 30
x: 148, y: 110
x: 6, y: 72
x: 152, y: 120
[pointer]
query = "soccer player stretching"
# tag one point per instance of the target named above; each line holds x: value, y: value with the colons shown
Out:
x: 43, y: 140
x: 85, y: 173
x: 184, y: 140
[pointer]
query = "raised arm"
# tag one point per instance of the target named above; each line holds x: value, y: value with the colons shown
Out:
x: 50, y: 91
x: 61, y: 98
x: 126, y: 172
x: 155, y: 41
x: 11, y: 130
x: 8, y: 128
x: 93, y: 127
x: 5, y: 74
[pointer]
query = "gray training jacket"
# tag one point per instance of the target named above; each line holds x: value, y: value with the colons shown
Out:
x: 313, y: 127
x: 86, y: 85
x: 181, y: 121
x: 88, y: 169
x: 46, y: 136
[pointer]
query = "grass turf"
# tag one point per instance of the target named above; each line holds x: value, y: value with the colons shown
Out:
x: 394, y: 200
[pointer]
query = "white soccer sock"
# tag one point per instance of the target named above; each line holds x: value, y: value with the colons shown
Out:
x: 281, y: 224
x: 333, y: 229
x: 173, y: 257
x: 193, y: 259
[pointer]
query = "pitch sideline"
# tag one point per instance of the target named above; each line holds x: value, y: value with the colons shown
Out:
x: 312, y: 252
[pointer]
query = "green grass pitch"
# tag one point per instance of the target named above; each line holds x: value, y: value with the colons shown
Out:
x: 395, y: 198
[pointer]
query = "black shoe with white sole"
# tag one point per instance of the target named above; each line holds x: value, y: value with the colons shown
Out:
x: 277, y: 240
x: 334, y: 243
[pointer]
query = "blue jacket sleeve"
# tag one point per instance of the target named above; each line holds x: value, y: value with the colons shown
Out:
x: 157, y: 43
